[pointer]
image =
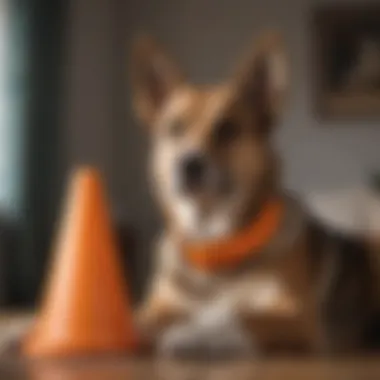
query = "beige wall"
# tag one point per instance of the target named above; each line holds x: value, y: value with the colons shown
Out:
x: 206, y: 36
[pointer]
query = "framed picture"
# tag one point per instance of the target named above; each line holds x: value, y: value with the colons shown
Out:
x: 347, y: 61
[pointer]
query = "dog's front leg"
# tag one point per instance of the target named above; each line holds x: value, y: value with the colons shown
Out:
x: 164, y: 307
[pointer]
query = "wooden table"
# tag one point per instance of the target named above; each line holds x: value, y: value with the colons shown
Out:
x: 123, y: 368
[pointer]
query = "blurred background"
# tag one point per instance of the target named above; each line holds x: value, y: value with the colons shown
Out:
x: 65, y: 101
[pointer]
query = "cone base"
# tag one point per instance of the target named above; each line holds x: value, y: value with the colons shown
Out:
x: 38, y: 348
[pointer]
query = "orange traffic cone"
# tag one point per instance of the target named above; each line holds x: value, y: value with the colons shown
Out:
x: 85, y: 309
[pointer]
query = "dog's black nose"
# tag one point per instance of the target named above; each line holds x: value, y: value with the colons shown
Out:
x: 193, y: 170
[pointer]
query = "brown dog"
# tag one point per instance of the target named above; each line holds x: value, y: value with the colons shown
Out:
x: 240, y: 265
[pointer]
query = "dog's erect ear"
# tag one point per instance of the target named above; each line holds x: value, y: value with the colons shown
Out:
x: 154, y: 77
x: 261, y: 82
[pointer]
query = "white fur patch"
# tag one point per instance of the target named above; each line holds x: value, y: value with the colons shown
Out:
x: 263, y: 293
x: 214, y: 225
x: 187, y: 215
x: 214, y: 331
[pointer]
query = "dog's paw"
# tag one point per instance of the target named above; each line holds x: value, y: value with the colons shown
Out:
x: 195, y: 342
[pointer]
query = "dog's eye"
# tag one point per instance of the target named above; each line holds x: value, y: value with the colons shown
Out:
x: 176, y: 129
x: 226, y: 131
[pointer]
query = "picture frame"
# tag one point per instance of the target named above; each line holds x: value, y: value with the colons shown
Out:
x: 346, y: 61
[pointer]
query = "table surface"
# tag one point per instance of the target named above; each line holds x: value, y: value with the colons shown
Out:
x: 123, y: 368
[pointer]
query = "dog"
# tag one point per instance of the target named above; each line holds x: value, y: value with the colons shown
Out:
x: 241, y: 267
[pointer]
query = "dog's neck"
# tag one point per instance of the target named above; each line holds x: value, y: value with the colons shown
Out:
x: 194, y: 224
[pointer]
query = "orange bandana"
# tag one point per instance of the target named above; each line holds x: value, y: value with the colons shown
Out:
x: 224, y: 254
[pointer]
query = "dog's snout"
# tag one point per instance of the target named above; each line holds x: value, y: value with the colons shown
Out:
x: 193, y: 169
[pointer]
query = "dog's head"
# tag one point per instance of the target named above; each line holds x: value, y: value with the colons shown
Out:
x: 211, y: 153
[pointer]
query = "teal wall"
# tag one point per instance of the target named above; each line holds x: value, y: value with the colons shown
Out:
x: 31, y: 138
x: 13, y: 98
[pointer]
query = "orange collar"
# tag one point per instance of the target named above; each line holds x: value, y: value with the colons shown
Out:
x: 229, y: 252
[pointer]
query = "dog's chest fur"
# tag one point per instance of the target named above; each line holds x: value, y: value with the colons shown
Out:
x: 265, y: 283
